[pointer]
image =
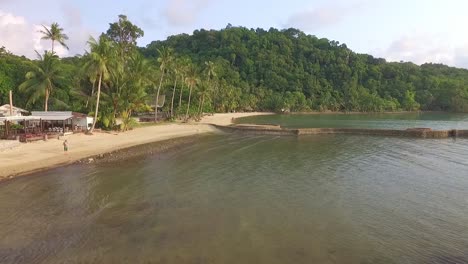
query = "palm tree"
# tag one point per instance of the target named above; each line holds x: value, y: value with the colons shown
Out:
x: 165, y: 58
x: 184, y: 65
x: 99, y: 61
x: 191, y: 80
x: 210, y: 73
x: 203, y: 89
x: 55, y: 33
x: 42, y: 80
x: 175, y: 70
x: 133, y: 93
x: 137, y: 78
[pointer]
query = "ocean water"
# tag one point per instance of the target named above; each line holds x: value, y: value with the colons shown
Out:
x: 248, y: 199
x: 436, y: 121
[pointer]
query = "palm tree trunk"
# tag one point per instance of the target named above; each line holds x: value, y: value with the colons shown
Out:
x: 173, y: 95
x: 114, y: 114
x: 215, y: 97
x: 157, y: 98
x: 46, y: 102
x: 180, y: 95
x: 201, y: 105
x: 188, y: 105
x: 97, y: 103
x: 53, y: 45
x: 92, y: 93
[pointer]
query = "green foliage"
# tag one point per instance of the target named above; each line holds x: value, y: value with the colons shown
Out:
x: 16, y: 126
x: 409, y: 103
x: 233, y: 69
x: 54, y: 33
x: 327, y: 73
x: 125, y: 34
x: 42, y: 81
x: 127, y: 121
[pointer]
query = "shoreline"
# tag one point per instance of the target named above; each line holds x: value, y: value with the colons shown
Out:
x: 30, y: 158
x: 367, y: 113
x: 139, y: 151
x: 114, y: 157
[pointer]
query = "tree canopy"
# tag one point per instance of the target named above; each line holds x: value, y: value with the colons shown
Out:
x: 316, y: 73
x: 232, y: 69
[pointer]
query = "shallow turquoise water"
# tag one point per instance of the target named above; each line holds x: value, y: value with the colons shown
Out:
x: 248, y: 199
x: 436, y: 121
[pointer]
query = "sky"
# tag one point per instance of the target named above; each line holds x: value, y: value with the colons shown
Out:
x: 419, y: 31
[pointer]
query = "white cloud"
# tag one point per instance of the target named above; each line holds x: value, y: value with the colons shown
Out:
x: 184, y: 12
x: 18, y: 36
x: 423, y: 48
x: 22, y: 37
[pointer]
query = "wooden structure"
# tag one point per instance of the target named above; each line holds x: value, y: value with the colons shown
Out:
x: 55, y: 122
x: 41, y: 125
x: 63, y: 121
x: 13, y: 127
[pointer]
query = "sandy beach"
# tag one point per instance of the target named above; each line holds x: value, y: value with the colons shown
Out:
x: 30, y: 157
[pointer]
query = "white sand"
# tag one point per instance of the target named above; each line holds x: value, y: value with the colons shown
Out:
x: 45, y: 154
x: 226, y: 119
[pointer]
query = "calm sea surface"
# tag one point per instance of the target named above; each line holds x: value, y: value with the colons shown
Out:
x: 436, y: 121
x: 249, y: 199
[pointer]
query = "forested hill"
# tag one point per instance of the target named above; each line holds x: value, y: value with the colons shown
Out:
x: 240, y: 69
x: 288, y: 69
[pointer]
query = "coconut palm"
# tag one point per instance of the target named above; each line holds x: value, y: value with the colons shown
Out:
x: 138, y: 77
x: 165, y: 58
x: 191, y: 81
x: 43, y: 79
x: 99, y: 62
x: 210, y: 74
x: 54, y: 33
x: 183, y: 67
x: 203, y: 89
x: 132, y: 93
x: 175, y: 70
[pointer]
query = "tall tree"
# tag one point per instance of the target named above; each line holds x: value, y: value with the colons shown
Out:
x: 54, y: 33
x: 183, y: 68
x: 202, y: 91
x: 133, y: 95
x: 125, y: 34
x: 210, y: 71
x: 100, y: 58
x: 175, y: 71
x: 192, y: 80
x: 164, y: 60
x: 43, y: 79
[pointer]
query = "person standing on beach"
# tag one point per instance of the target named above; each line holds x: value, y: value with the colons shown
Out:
x: 65, y: 146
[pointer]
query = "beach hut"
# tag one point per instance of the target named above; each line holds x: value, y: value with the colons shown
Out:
x: 63, y: 121
x: 7, y: 110
x: 16, y: 126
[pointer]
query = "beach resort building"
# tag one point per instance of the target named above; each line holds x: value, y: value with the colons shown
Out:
x: 63, y: 121
x: 40, y: 125
x: 6, y: 110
